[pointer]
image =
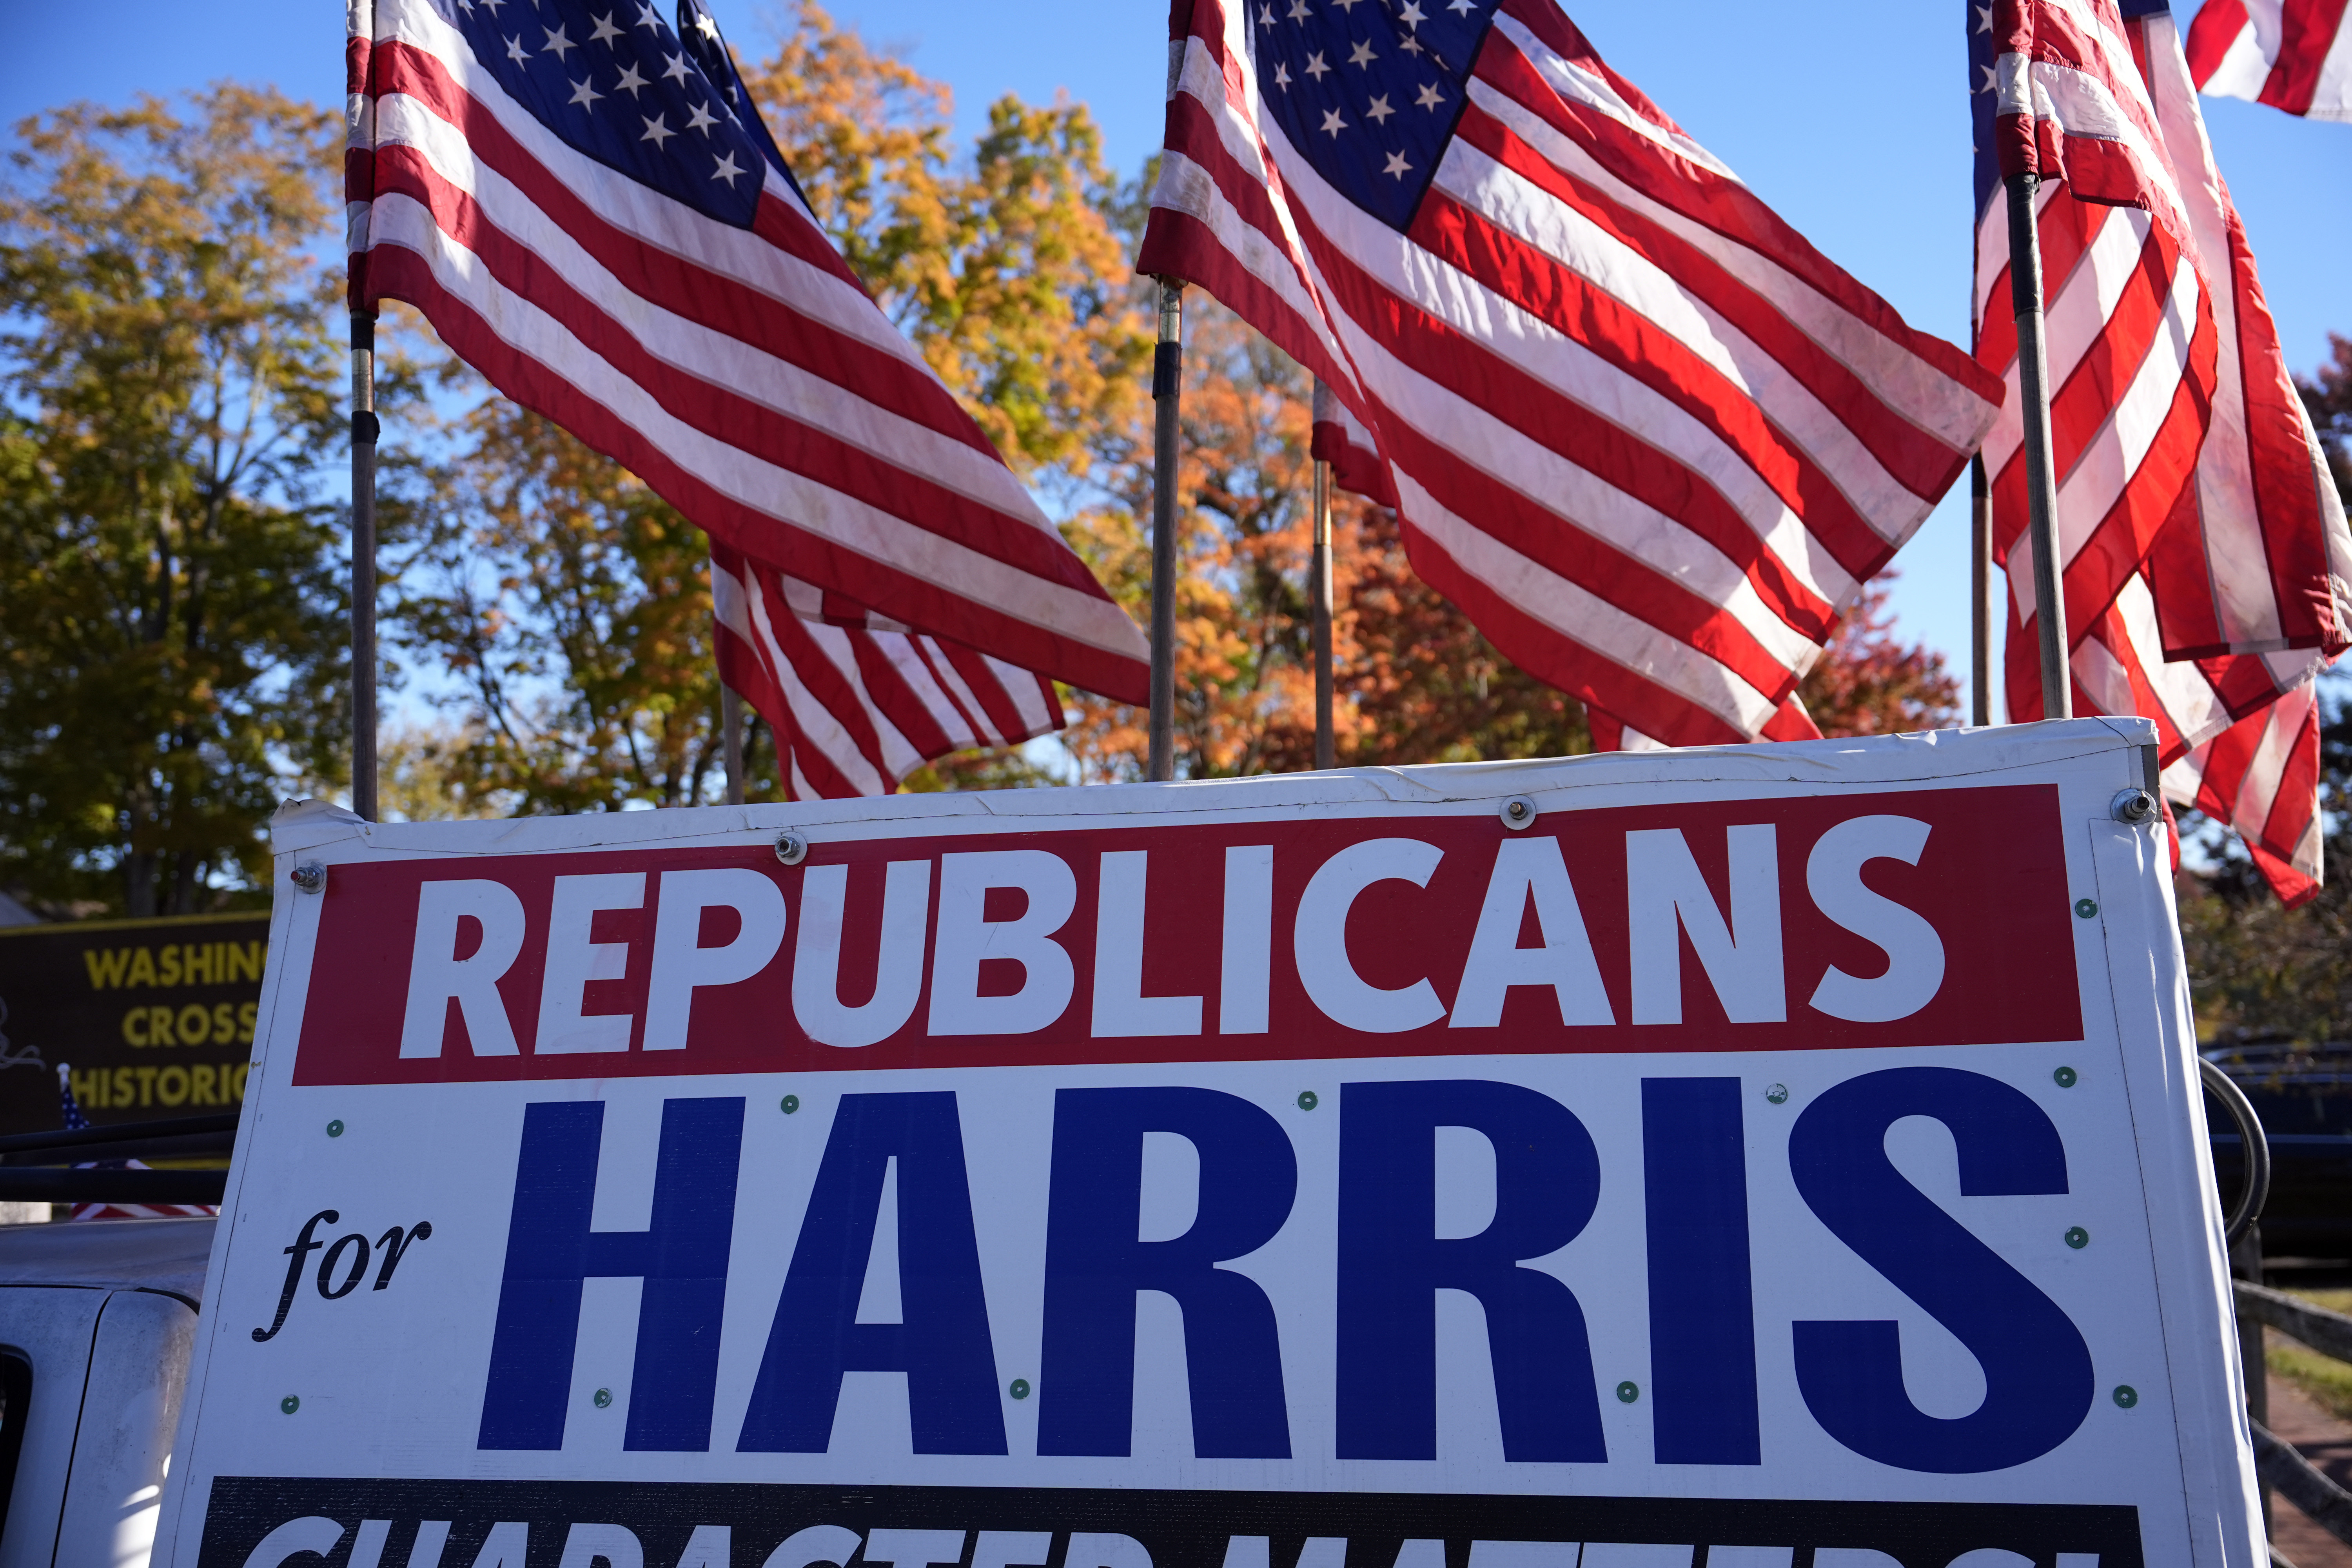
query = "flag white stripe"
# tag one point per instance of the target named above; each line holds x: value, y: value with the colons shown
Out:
x: 1897, y: 377
x: 1517, y: 206
x: 747, y: 479
x: 643, y: 212
x: 1576, y: 499
x: 728, y: 362
x: 1585, y: 617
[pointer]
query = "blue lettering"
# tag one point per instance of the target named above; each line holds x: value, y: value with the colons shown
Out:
x: 1095, y: 1264
x: 943, y: 1344
x: 1702, y: 1305
x: 1392, y: 1266
x: 682, y: 1259
x: 2037, y: 1370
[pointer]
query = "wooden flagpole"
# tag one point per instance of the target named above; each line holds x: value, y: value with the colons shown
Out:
x: 1167, y: 394
x: 1320, y: 588
x: 2041, y: 488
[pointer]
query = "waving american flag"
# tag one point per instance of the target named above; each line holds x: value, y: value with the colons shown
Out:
x: 1642, y: 432
x: 2208, y: 570
x: 582, y: 200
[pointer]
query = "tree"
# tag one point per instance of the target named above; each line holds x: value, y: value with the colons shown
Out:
x: 2328, y: 398
x: 1868, y: 683
x: 171, y: 613
x: 572, y: 608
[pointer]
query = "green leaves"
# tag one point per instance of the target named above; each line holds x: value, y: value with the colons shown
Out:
x: 171, y: 617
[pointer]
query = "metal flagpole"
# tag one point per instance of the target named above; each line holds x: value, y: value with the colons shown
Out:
x: 2041, y: 494
x: 1321, y: 591
x: 365, y: 430
x: 1979, y: 593
x: 730, y: 741
x: 1167, y: 394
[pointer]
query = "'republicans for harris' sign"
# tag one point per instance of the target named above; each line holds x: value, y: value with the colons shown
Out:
x: 1791, y: 1154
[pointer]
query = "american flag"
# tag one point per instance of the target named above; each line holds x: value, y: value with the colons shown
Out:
x: 859, y: 703
x: 2295, y: 55
x: 2206, y: 559
x: 1641, y: 431
x: 584, y: 201
x: 77, y: 1120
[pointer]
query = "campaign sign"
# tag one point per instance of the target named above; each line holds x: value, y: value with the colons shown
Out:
x: 1771, y: 1157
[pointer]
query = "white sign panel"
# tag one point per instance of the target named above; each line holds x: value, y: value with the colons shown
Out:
x: 1781, y: 1157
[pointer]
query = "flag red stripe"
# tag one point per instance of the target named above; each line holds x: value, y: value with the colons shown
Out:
x: 1543, y: 652
x: 709, y: 299
x: 403, y: 274
x: 720, y: 412
x: 1699, y: 194
x: 2306, y: 34
x: 1607, y: 451
x: 1926, y: 468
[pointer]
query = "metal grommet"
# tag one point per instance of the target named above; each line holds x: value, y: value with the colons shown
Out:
x: 1628, y: 1391
x: 310, y: 877
x: 791, y: 847
x: 1518, y: 811
x: 790, y: 1103
x: 2077, y: 1238
x: 2126, y: 1395
x: 603, y: 1399
x: 1777, y: 1094
x: 2086, y: 909
x: 2065, y: 1078
x: 287, y: 1406
x: 1307, y: 1100
x: 2134, y: 807
x: 335, y: 1128
x: 1020, y: 1389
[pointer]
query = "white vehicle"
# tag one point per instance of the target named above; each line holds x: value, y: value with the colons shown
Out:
x: 96, y: 1324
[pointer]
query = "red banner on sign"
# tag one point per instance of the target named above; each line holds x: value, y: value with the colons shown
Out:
x: 1922, y: 918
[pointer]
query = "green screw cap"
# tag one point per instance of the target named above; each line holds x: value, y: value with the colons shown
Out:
x: 2077, y: 1238
x: 1628, y: 1391
x: 335, y: 1129
x: 1307, y: 1100
x: 2065, y: 1078
x: 289, y: 1405
x: 2088, y: 908
x: 2126, y: 1395
x: 1020, y: 1389
x: 1777, y: 1094
x: 792, y: 1102
x: 603, y: 1398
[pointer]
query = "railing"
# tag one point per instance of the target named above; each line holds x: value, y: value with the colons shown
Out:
x: 2279, y: 1468
x: 2283, y: 1469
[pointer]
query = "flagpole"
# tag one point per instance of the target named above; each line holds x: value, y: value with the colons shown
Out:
x: 2040, y: 488
x: 1167, y: 394
x: 1320, y: 588
x: 365, y: 432
x: 730, y: 741
x: 1979, y: 593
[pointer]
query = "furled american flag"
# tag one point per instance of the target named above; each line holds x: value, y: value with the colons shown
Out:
x: 77, y: 1120
x: 2295, y: 55
x: 2208, y: 570
x: 584, y: 201
x: 1642, y: 432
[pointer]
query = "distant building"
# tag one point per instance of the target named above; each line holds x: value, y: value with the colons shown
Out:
x: 13, y: 914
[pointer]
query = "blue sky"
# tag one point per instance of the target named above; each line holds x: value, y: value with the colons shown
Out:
x: 1854, y: 124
